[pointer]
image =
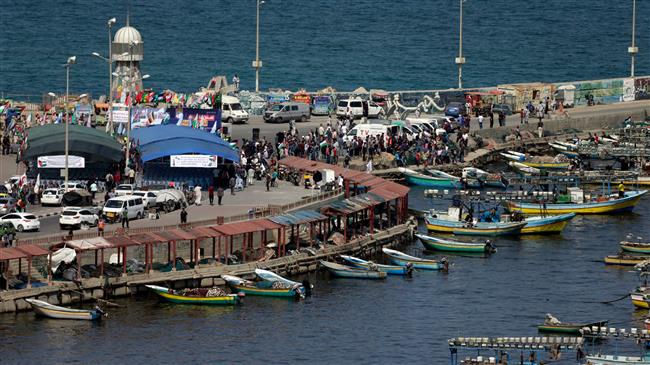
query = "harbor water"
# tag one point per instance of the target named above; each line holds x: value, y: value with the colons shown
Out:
x: 366, y: 322
x: 401, y: 45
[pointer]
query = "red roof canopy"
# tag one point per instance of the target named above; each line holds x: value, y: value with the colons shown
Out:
x: 10, y: 253
x: 257, y: 225
x: 33, y: 250
x: 121, y: 241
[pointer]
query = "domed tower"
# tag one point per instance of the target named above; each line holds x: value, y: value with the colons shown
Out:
x: 128, y: 51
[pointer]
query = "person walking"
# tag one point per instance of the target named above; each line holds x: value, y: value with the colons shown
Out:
x: 268, y: 182
x: 491, y: 119
x: 540, y: 111
x: 101, y: 225
x: 480, y: 121
x: 93, y: 189
x: 231, y: 184
x: 522, y: 115
x: 540, y: 128
x: 211, y: 194
x: 219, y: 195
x: 125, y: 216
x: 526, y: 115
x: 183, y: 215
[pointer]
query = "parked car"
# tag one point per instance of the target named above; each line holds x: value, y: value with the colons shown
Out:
x: 504, y: 109
x: 232, y: 111
x: 74, y: 217
x: 455, y: 109
x: 287, y: 111
x: 7, y: 205
x: 124, y: 189
x: 114, y: 207
x: 77, y: 186
x: 52, y: 196
x: 22, y: 221
x: 355, y: 107
x: 148, y: 197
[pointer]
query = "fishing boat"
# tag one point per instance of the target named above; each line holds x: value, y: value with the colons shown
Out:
x: 617, y: 360
x: 522, y: 159
x: 641, y: 298
x: 439, y: 244
x: 564, y: 149
x: 636, y: 247
x: 624, y: 260
x: 524, y: 169
x: 546, y: 225
x: 343, y: 271
x: 388, y: 269
x: 556, y: 326
x: 640, y: 181
x: 418, y: 179
x: 513, y: 156
x: 54, y: 311
x: 402, y: 259
x: 269, y: 284
x: 449, y: 222
x: 485, y: 178
x: 196, y: 296
x: 610, y: 206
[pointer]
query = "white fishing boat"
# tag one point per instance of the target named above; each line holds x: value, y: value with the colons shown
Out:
x: 54, y: 311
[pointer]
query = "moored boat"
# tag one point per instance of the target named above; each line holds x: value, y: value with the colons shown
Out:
x: 617, y: 360
x: 343, y: 271
x: 54, y: 311
x: 268, y: 285
x: 610, y: 206
x: 439, y: 244
x: 524, y: 169
x: 388, y: 269
x: 546, y: 225
x: 202, y: 296
x: 624, y: 260
x: 556, y: 326
x: 636, y: 247
x: 418, y: 179
x: 402, y: 259
x: 449, y: 223
x: 640, y: 298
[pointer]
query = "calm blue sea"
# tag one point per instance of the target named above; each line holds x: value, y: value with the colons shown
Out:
x: 395, y: 45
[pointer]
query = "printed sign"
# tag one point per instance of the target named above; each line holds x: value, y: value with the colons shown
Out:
x: 204, y: 161
x: 205, y: 119
x: 120, y: 116
x: 52, y: 162
x: 147, y: 117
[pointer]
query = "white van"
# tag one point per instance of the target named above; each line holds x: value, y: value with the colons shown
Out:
x: 354, y: 107
x: 232, y: 111
x: 371, y: 129
x: 287, y: 111
x: 114, y: 206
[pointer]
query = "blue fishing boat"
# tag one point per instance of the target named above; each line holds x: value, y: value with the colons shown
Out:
x: 444, y: 222
x: 402, y: 259
x: 369, y: 265
x: 609, y: 205
x: 418, y: 179
x: 440, y: 244
x: 343, y: 271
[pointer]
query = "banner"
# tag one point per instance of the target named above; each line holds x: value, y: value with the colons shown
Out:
x: 58, y: 162
x: 205, y: 119
x: 120, y: 116
x: 82, y: 114
x: 147, y: 117
x: 204, y: 161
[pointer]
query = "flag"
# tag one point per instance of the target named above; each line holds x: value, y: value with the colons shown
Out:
x: 38, y: 183
x: 22, y: 180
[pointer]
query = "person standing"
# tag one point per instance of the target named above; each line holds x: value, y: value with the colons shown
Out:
x: 183, y: 215
x: 522, y: 115
x: 526, y: 115
x: 491, y: 119
x: 101, y: 225
x: 540, y: 128
x: 211, y: 194
x: 231, y: 184
x: 621, y: 190
x: 125, y: 216
x: 219, y: 195
x: 540, y: 111
x: 93, y: 189
x: 480, y: 121
x: 268, y: 182
x: 235, y: 81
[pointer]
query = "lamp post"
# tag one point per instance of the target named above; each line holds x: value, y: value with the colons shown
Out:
x: 67, y: 65
x: 257, y: 64
x: 633, y: 49
x: 110, y: 24
x: 460, y: 60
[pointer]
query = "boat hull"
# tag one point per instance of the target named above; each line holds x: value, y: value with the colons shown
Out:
x: 547, y: 166
x: 547, y: 225
x: 624, y: 261
x: 265, y: 292
x: 180, y: 299
x: 431, y: 182
x: 417, y: 264
x: 569, y: 328
x: 56, y: 312
x: 640, y: 301
x: 635, y: 248
x: 616, y: 360
x: 479, y: 229
x: 433, y: 244
x: 362, y: 264
x: 620, y: 205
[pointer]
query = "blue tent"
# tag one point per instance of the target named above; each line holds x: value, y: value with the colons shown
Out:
x: 167, y: 140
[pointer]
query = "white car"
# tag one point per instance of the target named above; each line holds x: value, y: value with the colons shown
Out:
x: 124, y: 189
x: 73, y: 217
x: 74, y: 186
x: 52, y: 197
x: 22, y: 221
x: 148, y: 197
x: 355, y: 107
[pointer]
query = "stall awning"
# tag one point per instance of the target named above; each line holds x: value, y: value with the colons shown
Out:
x: 122, y: 241
x: 148, y: 237
x: 10, y: 253
x: 33, y: 250
x: 177, y: 235
x: 257, y: 225
x: 298, y: 217
x: 87, y: 244
x: 204, y: 232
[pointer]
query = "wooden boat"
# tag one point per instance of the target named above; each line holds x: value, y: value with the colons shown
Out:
x: 524, y: 169
x: 617, y: 360
x: 564, y: 149
x: 624, y: 260
x: 197, y: 296
x: 269, y: 285
x: 546, y: 225
x: 445, y: 223
x: 547, y: 165
x: 343, y: 271
x: 402, y: 259
x: 484, y: 178
x: 641, y: 298
x: 418, y: 179
x: 614, y: 205
x: 439, y: 244
x: 636, y: 247
x: 388, y: 269
x: 640, y: 181
x: 513, y: 156
x: 54, y: 311
x: 572, y: 328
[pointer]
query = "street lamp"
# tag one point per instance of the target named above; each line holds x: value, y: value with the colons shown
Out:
x: 633, y: 50
x: 460, y: 60
x: 110, y: 24
x: 257, y: 64
x: 71, y: 61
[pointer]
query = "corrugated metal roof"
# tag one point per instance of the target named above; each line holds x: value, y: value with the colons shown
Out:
x: 33, y: 250
x: 204, y: 232
x: 246, y: 227
x: 176, y: 235
x: 10, y: 253
x: 386, y: 194
x: 298, y: 217
x: 148, y: 237
x: 121, y: 241
x: 94, y: 243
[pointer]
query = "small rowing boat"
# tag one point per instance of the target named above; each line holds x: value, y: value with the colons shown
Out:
x: 624, y: 260
x: 636, y: 247
x: 555, y: 326
x: 202, y: 296
x: 402, y: 259
x: 610, y: 206
x: 444, y: 222
x: 46, y: 309
x: 439, y: 244
x: 269, y: 285
x: 441, y: 182
x: 343, y: 271
x: 524, y: 169
x: 368, y: 265
x: 599, y: 359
